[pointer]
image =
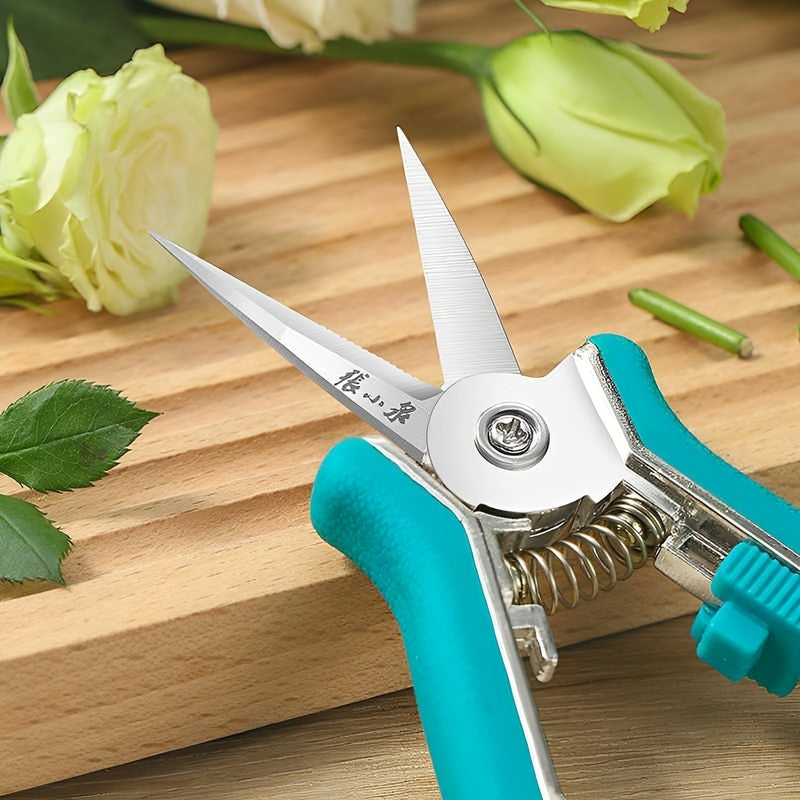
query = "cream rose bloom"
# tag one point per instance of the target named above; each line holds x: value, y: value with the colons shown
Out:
x: 309, y: 23
x: 100, y: 162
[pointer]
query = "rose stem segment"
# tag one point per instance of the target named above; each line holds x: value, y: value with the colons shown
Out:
x: 774, y: 245
x: 691, y: 321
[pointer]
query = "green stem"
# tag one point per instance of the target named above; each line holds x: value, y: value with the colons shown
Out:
x: 466, y: 59
x: 536, y: 21
x: 687, y: 319
x: 772, y: 243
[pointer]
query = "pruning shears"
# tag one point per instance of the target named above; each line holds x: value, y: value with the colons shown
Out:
x: 492, y: 501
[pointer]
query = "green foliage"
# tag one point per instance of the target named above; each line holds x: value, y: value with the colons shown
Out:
x: 63, y: 436
x: 31, y: 546
x: 19, y: 91
x: 62, y: 36
x: 67, y: 435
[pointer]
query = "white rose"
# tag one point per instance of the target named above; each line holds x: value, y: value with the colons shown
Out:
x: 97, y: 164
x: 309, y: 22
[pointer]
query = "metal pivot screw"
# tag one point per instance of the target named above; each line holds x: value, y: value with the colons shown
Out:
x: 510, y: 433
x: 512, y: 437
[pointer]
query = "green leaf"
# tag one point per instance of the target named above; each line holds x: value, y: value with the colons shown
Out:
x: 21, y: 276
x: 18, y: 89
x: 67, y: 434
x: 31, y: 547
x: 62, y: 36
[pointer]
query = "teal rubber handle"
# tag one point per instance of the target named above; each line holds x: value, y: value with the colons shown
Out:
x: 756, y: 630
x: 416, y: 552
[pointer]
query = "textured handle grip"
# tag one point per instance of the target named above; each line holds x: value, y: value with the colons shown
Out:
x: 417, y: 553
x: 757, y: 630
x: 664, y: 434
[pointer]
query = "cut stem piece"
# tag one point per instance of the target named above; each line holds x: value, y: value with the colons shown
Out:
x: 691, y: 321
x: 774, y: 245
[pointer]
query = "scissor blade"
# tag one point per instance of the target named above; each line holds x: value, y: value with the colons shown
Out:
x: 360, y: 380
x: 469, y: 334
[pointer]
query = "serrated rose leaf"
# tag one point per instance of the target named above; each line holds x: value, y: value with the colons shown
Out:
x: 31, y: 547
x: 67, y: 435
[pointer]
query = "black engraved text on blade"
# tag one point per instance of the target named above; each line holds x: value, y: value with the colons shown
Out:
x: 350, y: 383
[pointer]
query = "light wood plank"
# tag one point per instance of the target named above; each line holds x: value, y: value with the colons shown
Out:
x: 634, y: 715
x: 200, y: 602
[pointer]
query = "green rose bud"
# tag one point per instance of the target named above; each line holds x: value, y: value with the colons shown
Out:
x: 650, y: 14
x: 602, y: 122
x: 85, y: 175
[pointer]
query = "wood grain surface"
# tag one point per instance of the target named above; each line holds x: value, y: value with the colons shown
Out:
x: 199, y: 601
x: 669, y: 727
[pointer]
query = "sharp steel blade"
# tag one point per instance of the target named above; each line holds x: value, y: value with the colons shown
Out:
x: 469, y: 334
x: 393, y: 402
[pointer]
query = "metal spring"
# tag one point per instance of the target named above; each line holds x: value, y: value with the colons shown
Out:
x: 588, y: 561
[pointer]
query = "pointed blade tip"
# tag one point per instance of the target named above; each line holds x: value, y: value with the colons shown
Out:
x: 170, y: 246
x: 409, y: 154
x: 183, y: 256
x: 167, y: 244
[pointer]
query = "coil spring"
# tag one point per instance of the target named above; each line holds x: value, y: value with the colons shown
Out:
x: 588, y: 561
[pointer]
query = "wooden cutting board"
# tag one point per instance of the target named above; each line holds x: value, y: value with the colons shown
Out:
x: 199, y: 600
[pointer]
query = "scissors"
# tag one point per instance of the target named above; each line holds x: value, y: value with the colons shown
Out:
x: 488, y: 503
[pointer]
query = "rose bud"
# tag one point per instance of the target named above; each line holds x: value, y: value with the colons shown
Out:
x: 602, y: 122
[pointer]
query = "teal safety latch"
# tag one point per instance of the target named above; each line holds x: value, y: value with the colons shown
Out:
x: 755, y: 632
